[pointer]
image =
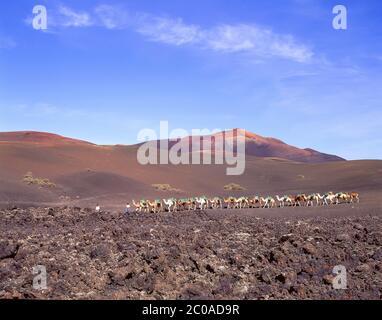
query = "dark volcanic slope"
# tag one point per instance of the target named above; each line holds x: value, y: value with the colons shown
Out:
x: 205, y: 255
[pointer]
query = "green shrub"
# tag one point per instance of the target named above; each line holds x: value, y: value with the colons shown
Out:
x: 233, y: 187
x: 41, y: 182
x: 165, y: 187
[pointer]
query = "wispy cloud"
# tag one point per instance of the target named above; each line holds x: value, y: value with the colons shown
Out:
x: 112, y: 17
x: 170, y: 31
x: 250, y: 39
x: 245, y: 38
x: 257, y: 41
x: 71, y: 18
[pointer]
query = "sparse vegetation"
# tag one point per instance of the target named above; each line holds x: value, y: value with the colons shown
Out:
x: 65, y: 198
x: 165, y: 187
x: 41, y: 182
x: 234, y: 187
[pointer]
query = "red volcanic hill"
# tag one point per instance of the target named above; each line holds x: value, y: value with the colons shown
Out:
x: 37, y: 138
x: 259, y: 146
x: 256, y: 145
x: 264, y: 147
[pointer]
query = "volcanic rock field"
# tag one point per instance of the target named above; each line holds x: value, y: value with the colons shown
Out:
x: 188, y: 255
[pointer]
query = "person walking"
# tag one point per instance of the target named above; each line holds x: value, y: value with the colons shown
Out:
x: 127, y: 209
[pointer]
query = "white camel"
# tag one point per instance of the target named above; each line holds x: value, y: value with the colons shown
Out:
x: 320, y: 199
x: 288, y: 200
x: 258, y: 200
x: 202, y: 202
x: 281, y: 201
x: 269, y: 202
x: 329, y: 198
x: 170, y: 204
x: 311, y: 198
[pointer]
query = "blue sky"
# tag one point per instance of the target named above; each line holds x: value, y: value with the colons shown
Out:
x: 106, y: 69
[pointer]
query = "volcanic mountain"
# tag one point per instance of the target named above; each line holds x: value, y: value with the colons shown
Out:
x: 41, y: 168
x: 262, y: 147
x: 256, y: 145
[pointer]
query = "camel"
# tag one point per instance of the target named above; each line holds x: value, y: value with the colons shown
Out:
x: 320, y: 198
x: 210, y: 204
x: 300, y: 198
x: 269, y: 202
x: 288, y: 200
x: 241, y: 202
x: 184, y: 204
x: 284, y: 200
x: 252, y: 202
x: 354, y: 197
x: 216, y: 203
x: 280, y: 200
x: 202, y: 202
x: 258, y: 200
x: 155, y: 206
x: 193, y: 205
x: 137, y: 206
x: 237, y: 203
x: 230, y: 201
x: 190, y: 203
x: 342, y: 196
x: 245, y: 202
x: 311, y: 198
x: 144, y: 205
x: 170, y: 204
x: 292, y: 197
x: 329, y: 198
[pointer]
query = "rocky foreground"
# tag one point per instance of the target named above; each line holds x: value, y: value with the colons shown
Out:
x: 207, y: 255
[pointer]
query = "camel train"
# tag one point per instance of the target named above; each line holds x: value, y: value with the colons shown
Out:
x: 204, y: 203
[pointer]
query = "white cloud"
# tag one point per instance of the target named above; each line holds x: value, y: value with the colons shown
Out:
x: 245, y: 38
x: 170, y: 31
x: 65, y: 17
x: 256, y: 41
x: 71, y: 18
x: 233, y: 38
x: 111, y: 17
